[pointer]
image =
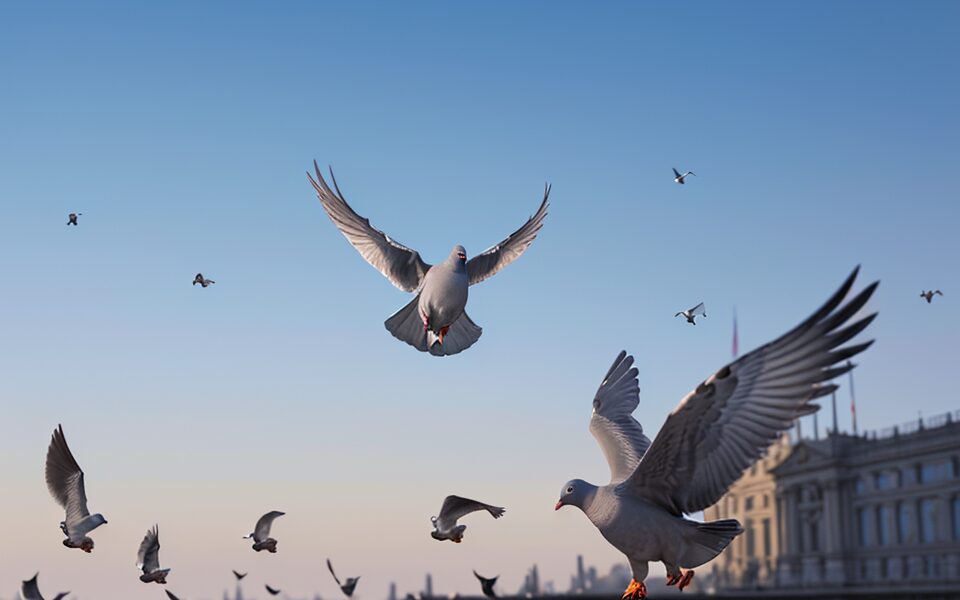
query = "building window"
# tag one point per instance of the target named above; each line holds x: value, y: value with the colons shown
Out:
x: 858, y: 486
x: 928, y: 526
x: 751, y: 542
x: 935, y: 471
x: 766, y: 530
x: 863, y: 524
x: 883, y: 527
x: 886, y: 480
x: 956, y: 517
x: 903, y: 522
x: 766, y: 500
x: 748, y: 504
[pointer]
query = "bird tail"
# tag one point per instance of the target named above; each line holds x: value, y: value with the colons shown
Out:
x: 706, y: 540
x: 461, y: 335
x: 406, y: 325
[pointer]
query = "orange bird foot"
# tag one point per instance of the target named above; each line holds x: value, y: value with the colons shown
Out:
x: 685, y: 580
x: 443, y: 332
x: 635, y: 591
x: 673, y: 579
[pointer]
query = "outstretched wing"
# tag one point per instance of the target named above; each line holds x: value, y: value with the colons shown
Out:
x: 620, y: 436
x: 727, y: 422
x: 239, y: 576
x: 676, y: 173
x: 455, y: 507
x: 148, y: 557
x: 272, y: 591
x: 492, y: 260
x: 29, y: 590
x: 262, y: 531
x: 401, y: 265
x: 330, y: 566
x: 699, y: 309
x: 170, y: 595
x: 65, y: 479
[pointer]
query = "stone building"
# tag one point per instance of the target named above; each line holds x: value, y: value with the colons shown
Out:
x: 878, y: 510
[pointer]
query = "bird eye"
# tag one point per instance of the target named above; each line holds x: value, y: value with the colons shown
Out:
x: 570, y: 490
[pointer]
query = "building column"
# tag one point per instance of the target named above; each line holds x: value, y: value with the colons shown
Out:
x: 834, y: 573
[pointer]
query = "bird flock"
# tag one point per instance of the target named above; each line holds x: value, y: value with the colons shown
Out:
x: 716, y: 431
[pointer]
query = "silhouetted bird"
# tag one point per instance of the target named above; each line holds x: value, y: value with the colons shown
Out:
x: 346, y: 587
x: 29, y: 590
x: 239, y: 576
x: 273, y: 592
x: 692, y: 314
x: 486, y: 584
x: 202, y: 280
x: 679, y: 178
x: 928, y: 295
x: 72, y: 218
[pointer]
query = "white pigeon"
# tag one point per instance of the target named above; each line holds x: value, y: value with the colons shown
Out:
x: 716, y: 432
x: 678, y: 178
x: 148, y: 558
x: 435, y: 320
x: 203, y: 281
x: 261, y: 533
x: 65, y: 482
x: 692, y: 313
x: 29, y: 590
x: 454, y: 508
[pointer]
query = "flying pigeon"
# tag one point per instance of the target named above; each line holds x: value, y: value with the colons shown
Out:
x: 65, y: 482
x: 928, y: 295
x: 691, y: 314
x: 29, y: 590
x: 273, y: 592
x: 204, y: 282
x: 678, y: 178
x: 261, y: 534
x: 239, y: 576
x: 487, y: 584
x: 170, y: 595
x: 72, y: 218
x: 435, y: 320
x: 716, y: 432
x: 348, y: 586
x: 148, y: 558
x: 454, y: 508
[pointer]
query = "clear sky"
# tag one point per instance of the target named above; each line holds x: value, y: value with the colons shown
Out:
x: 823, y: 135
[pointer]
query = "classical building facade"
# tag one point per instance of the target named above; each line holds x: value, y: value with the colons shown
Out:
x: 880, y: 510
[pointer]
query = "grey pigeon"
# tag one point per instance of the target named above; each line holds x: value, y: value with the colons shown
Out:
x: 435, y: 320
x: 29, y: 590
x: 65, y: 482
x: 72, y: 218
x: 347, y: 586
x: 678, y: 178
x: 239, y: 575
x: 203, y: 281
x: 716, y: 432
x: 486, y: 584
x: 928, y: 295
x: 148, y: 558
x: 261, y: 533
x: 273, y: 591
x: 690, y: 315
x: 454, y: 508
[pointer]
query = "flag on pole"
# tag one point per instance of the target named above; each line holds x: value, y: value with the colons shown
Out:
x: 735, y: 347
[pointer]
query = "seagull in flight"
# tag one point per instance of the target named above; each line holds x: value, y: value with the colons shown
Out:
x: 929, y: 294
x: 454, y: 508
x: 693, y: 313
x: 678, y: 178
x: 65, y: 482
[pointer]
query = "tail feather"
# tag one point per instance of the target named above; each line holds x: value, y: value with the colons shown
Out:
x: 706, y: 540
x: 406, y: 325
x: 462, y: 334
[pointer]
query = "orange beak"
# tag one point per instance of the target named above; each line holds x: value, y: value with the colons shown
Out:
x: 559, y: 505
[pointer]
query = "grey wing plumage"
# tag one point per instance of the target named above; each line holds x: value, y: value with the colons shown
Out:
x: 65, y: 479
x: 330, y: 566
x: 620, y: 436
x: 29, y: 590
x: 699, y: 309
x: 148, y: 557
x: 492, y: 260
x: 728, y: 421
x: 455, y: 507
x: 262, y: 530
x: 401, y: 265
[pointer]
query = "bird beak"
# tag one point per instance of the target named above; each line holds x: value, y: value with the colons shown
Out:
x: 559, y: 505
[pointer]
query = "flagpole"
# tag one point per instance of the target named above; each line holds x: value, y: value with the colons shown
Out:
x: 735, y: 346
x: 853, y: 399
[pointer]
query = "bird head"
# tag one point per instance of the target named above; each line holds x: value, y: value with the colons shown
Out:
x: 575, y: 492
x: 460, y: 253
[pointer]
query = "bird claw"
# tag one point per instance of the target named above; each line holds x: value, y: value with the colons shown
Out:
x: 685, y: 580
x: 673, y: 579
x: 443, y: 332
x: 635, y: 591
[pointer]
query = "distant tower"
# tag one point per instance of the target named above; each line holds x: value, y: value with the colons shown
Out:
x: 581, y: 580
x: 428, y: 588
x: 393, y: 591
x: 534, y: 581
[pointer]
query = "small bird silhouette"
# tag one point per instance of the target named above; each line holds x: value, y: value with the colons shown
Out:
x: 347, y: 586
x: 679, y: 178
x: 273, y: 592
x: 239, y: 576
x: 486, y: 584
x: 202, y: 280
x: 929, y: 294
x: 693, y: 313
x: 72, y: 218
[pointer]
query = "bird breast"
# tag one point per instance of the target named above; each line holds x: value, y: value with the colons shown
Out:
x: 444, y: 296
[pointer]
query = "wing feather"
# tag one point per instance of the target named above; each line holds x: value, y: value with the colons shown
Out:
x: 262, y: 530
x: 65, y: 479
x: 619, y: 435
x: 494, y: 259
x: 455, y: 507
x: 148, y: 557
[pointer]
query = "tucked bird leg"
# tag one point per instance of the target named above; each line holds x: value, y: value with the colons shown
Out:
x: 674, y: 575
x: 685, y: 580
x: 443, y: 332
x: 635, y: 591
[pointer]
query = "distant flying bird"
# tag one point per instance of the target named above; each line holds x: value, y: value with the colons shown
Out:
x: 928, y: 295
x: 346, y: 587
x: 239, y: 576
x: 72, y: 218
x: 273, y: 592
x: 204, y: 282
x: 678, y: 178
x: 435, y: 320
x: 716, y: 432
x: 692, y: 314
x: 170, y: 595
x: 486, y: 584
x: 65, y: 482
x: 454, y: 508
x: 261, y: 533
x: 29, y: 590
x: 148, y: 558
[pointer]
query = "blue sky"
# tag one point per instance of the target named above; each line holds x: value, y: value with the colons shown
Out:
x: 823, y: 136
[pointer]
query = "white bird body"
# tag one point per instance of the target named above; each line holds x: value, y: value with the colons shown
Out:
x: 444, y: 296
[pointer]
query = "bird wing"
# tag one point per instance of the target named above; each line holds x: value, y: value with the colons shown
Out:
x: 29, y: 589
x: 262, y: 530
x: 455, y: 507
x: 239, y: 575
x: 938, y: 292
x: 492, y: 260
x: 676, y: 173
x: 148, y: 557
x: 726, y: 423
x: 272, y: 590
x: 170, y: 595
x: 699, y: 309
x: 330, y: 566
x: 620, y: 436
x: 401, y: 265
x: 65, y: 479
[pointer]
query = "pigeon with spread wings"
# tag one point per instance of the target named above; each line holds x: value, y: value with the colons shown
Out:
x: 148, y: 558
x: 435, y: 320
x: 261, y: 533
x: 693, y: 313
x: 716, y: 432
x: 929, y: 294
x: 454, y: 508
x: 347, y: 586
x: 66, y: 485
x: 29, y: 590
